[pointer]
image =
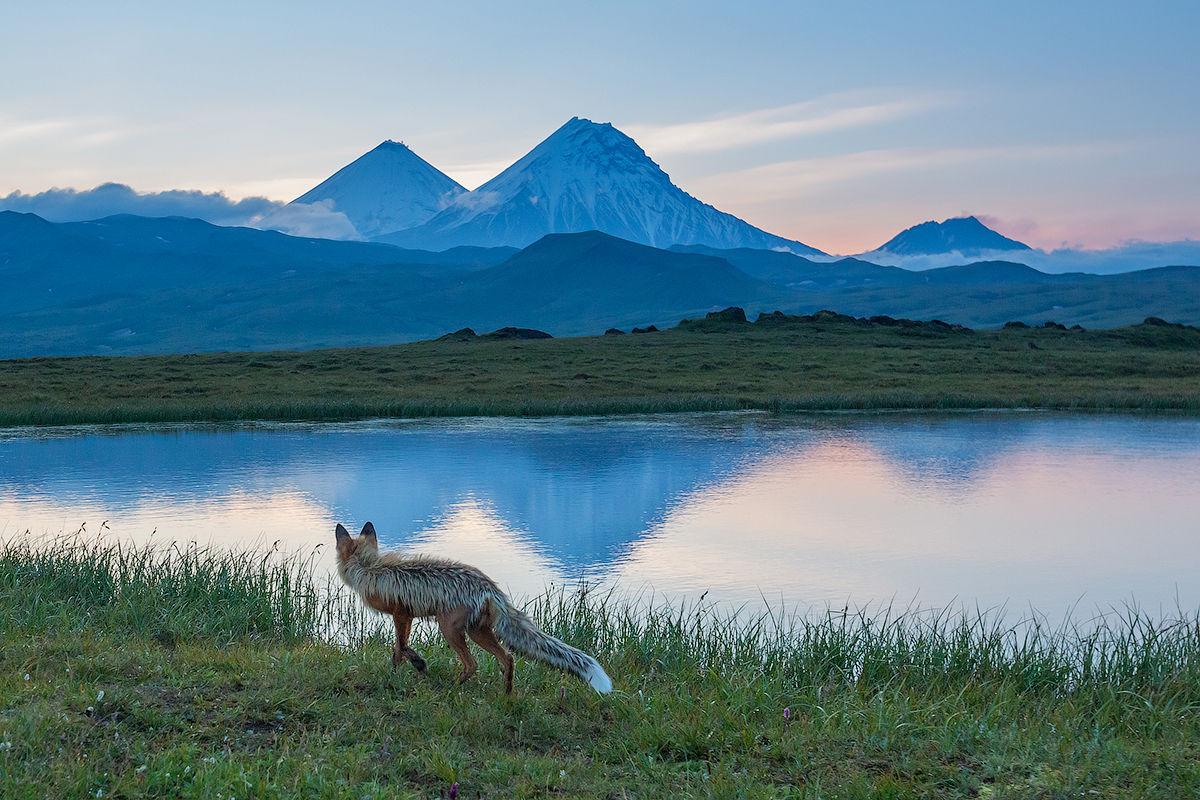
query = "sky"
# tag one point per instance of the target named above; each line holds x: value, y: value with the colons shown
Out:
x: 1063, y: 124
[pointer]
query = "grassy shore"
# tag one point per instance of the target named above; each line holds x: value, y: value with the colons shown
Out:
x: 208, y: 674
x: 824, y: 362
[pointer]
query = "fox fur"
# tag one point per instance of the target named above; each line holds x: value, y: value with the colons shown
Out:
x: 463, y: 600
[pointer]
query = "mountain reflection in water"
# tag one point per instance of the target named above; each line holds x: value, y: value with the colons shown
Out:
x: 987, y: 508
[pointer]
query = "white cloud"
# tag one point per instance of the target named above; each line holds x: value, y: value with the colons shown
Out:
x: 312, y: 220
x: 11, y: 132
x: 70, y: 205
x: 788, y: 179
x: 1123, y: 258
x: 71, y: 132
x: 476, y: 201
x: 832, y: 113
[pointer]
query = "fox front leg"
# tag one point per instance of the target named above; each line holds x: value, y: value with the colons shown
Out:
x: 402, y: 650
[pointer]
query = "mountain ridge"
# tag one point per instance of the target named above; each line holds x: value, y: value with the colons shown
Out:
x: 126, y: 285
x: 585, y: 176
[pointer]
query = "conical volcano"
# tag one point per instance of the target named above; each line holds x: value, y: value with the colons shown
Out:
x: 965, y: 235
x: 388, y: 189
x: 585, y: 176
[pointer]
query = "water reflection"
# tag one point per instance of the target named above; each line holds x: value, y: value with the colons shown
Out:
x: 978, y: 508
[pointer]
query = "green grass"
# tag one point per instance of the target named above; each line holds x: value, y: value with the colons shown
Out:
x: 224, y: 674
x: 824, y: 362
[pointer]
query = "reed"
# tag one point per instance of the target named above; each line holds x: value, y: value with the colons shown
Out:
x: 168, y: 593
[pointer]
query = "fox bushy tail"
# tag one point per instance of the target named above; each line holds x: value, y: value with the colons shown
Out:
x: 516, y: 629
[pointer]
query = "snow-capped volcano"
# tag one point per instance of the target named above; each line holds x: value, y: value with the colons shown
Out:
x: 388, y: 189
x: 585, y: 176
x: 965, y: 235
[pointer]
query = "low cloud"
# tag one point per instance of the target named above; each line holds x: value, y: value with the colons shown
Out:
x: 476, y: 201
x: 70, y: 205
x: 310, y: 220
x: 1127, y: 257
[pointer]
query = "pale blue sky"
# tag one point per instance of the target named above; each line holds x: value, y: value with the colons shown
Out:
x: 835, y: 124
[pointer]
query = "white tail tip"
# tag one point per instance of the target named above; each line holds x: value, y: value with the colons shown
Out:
x: 598, y: 679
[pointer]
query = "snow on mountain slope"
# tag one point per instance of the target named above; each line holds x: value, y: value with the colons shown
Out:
x: 388, y: 189
x: 585, y: 176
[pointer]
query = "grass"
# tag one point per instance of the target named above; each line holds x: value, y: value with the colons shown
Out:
x: 203, y: 673
x: 822, y: 362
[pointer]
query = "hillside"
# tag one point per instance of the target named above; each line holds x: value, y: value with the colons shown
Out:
x: 576, y: 284
x: 134, y: 285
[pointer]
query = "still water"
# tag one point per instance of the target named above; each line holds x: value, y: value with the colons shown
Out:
x: 1014, y: 510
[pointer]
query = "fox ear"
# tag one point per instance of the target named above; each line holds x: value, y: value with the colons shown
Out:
x: 341, y: 532
x: 368, y: 532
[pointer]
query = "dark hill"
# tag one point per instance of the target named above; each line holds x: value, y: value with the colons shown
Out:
x: 130, y: 285
x: 795, y: 271
x: 44, y: 264
x: 584, y: 280
x: 1173, y: 273
x: 996, y: 272
x: 788, y: 269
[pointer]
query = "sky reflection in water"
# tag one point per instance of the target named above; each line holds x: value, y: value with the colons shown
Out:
x: 998, y: 508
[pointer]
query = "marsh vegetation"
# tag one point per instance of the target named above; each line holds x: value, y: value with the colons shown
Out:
x: 202, y: 673
x: 822, y: 362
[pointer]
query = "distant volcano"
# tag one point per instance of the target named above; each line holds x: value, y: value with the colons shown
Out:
x: 585, y: 176
x: 965, y: 235
x: 388, y: 189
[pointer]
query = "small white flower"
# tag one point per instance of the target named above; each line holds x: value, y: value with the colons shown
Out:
x: 562, y: 773
x: 5, y: 745
x: 100, y: 696
x: 142, y: 768
x: 91, y: 709
x: 26, y: 676
x: 186, y: 770
x: 99, y: 793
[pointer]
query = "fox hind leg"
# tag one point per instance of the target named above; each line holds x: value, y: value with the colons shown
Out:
x: 453, y: 626
x: 402, y: 650
x: 486, y: 638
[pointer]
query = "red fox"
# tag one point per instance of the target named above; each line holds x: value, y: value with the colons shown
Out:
x: 463, y: 600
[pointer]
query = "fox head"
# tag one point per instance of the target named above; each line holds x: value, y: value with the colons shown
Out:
x: 348, y: 545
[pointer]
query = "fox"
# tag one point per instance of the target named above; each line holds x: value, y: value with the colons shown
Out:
x: 464, y: 601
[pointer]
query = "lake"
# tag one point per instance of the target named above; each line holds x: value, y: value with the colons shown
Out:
x: 1018, y: 510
